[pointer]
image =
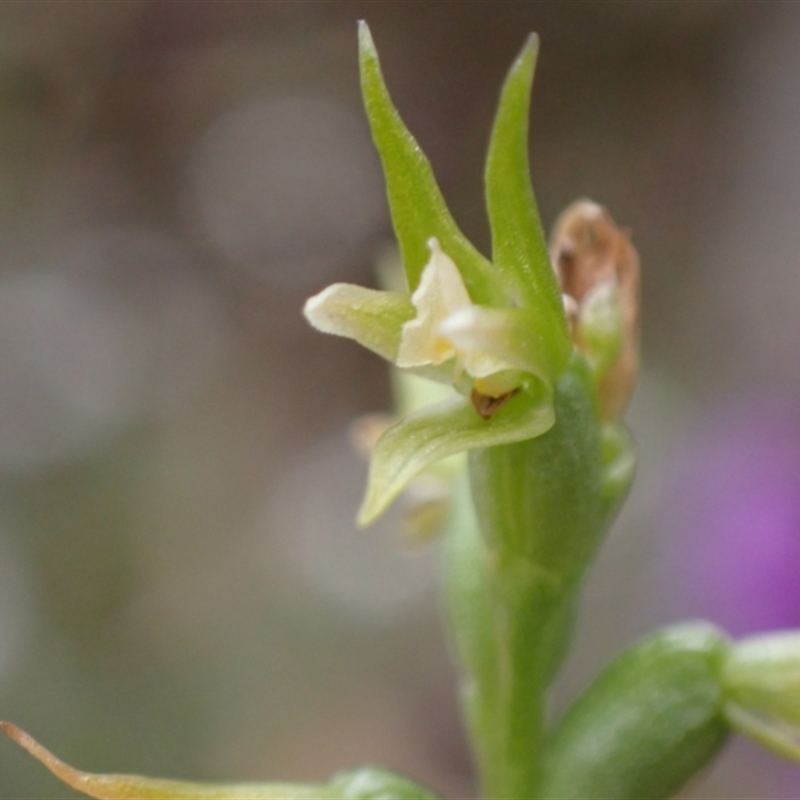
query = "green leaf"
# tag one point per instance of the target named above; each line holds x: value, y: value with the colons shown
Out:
x: 136, y: 787
x: 372, y: 318
x: 418, y: 208
x: 519, y: 249
x: 442, y: 430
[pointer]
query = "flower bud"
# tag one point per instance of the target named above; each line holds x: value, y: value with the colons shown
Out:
x: 647, y: 724
x: 375, y: 783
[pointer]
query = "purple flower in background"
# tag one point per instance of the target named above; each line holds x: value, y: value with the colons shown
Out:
x: 734, y: 519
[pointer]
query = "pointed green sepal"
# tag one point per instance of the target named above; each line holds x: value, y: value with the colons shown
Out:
x: 442, y: 430
x: 417, y: 206
x: 519, y: 249
x: 136, y: 787
x: 372, y: 318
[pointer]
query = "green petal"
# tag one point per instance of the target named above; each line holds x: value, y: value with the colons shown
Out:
x: 372, y: 318
x: 135, y: 787
x: 418, y: 208
x: 449, y: 427
x: 519, y: 249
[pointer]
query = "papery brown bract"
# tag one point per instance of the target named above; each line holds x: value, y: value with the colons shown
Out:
x: 588, y: 249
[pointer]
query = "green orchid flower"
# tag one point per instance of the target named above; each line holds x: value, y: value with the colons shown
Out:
x: 496, y: 332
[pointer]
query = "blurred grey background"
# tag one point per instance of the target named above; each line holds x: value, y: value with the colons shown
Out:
x: 182, y: 591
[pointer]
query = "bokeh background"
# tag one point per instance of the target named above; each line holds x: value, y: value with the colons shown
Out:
x: 182, y: 591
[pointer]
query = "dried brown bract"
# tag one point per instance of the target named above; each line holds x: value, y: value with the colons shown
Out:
x: 588, y: 249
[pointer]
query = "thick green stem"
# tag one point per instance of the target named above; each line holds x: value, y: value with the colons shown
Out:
x: 511, y: 630
x: 504, y: 713
x: 516, y: 715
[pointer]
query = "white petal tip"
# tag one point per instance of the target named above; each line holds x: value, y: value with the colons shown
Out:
x: 313, y: 310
